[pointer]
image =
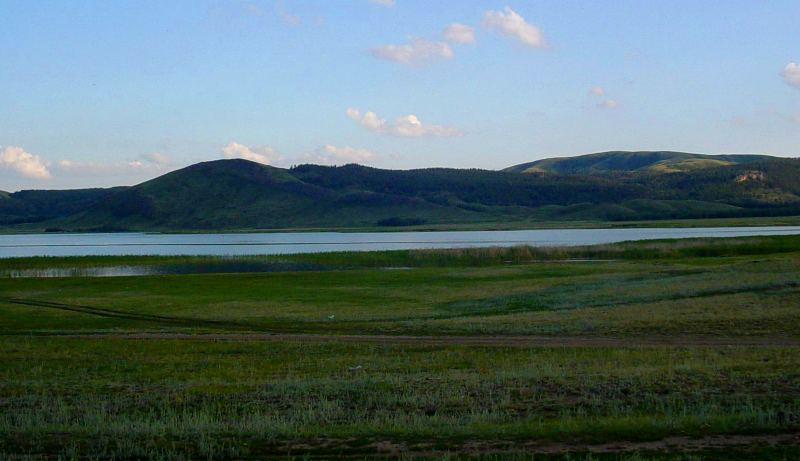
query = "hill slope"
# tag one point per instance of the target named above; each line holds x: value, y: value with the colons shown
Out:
x: 628, y: 162
x: 228, y: 194
x: 239, y: 194
x: 29, y: 206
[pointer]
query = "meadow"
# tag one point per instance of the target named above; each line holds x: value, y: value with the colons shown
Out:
x: 683, y: 349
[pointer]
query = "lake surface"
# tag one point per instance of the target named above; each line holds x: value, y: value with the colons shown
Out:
x: 228, y: 265
x: 310, y: 242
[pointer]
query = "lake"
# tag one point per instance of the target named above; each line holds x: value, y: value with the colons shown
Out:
x: 22, y: 245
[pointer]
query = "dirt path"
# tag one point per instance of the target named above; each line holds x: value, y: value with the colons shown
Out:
x: 111, y: 313
x: 670, y: 444
x: 501, y: 341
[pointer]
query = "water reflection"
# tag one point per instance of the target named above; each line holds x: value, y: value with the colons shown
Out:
x: 25, y: 245
x: 213, y: 267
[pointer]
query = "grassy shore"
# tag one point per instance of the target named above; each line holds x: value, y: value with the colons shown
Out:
x: 655, y: 350
x: 492, y: 225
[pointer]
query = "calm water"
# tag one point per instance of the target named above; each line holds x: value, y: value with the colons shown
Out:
x: 231, y: 266
x: 310, y: 242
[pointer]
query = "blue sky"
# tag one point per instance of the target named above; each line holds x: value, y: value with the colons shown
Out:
x: 111, y: 92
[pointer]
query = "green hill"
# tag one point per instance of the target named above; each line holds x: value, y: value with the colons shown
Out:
x: 231, y: 194
x: 30, y: 206
x: 239, y: 194
x: 628, y: 162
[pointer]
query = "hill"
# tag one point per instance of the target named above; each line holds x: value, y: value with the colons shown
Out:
x: 628, y: 162
x: 31, y: 206
x: 230, y: 194
x: 239, y: 194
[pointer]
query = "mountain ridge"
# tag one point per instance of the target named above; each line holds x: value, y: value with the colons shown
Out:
x: 240, y: 194
x: 634, y: 161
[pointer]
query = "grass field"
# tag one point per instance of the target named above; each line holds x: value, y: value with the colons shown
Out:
x: 656, y: 350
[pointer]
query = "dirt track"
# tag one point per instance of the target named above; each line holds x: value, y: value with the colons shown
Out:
x: 356, y: 448
x: 498, y: 341
x: 669, y: 444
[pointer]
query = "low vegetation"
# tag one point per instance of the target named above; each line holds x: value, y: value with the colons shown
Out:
x: 633, y: 351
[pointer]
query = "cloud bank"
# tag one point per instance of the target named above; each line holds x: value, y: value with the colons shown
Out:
x: 791, y: 74
x: 156, y: 160
x: 264, y: 154
x: 408, y: 126
x: 333, y: 155
x: 415, y: 52
x: 459, y: 33
x: 509, y: 23
x: 24, y: 163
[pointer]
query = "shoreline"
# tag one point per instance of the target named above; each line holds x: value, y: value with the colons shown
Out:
x: 457, y: 227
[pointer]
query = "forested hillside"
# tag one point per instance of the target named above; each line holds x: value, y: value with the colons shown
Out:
x: 629, y: 162
x: 239, y: 194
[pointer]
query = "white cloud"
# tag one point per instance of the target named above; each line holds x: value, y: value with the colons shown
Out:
x: 406, y: 126
x: 417, y: 51
x: 608, y: 104
x: 90, y: 167
x: 383, y: 2
x: 265, y: 154
x: 508, y: 22
x: 143, y: 164
x: 411, y: 126
x: 333, y: 155
x: 791, y: 74
x: 604, y: 103
x: 154, y: 162
x: 459, y: 33
x: 157, y: 158
x: 285, y: 15
x: 597, y: 91
x: 24, y: 163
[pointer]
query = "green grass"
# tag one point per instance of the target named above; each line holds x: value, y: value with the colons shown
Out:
x: 651, y: 288
x: 102, y: 395
x: 114, y: 394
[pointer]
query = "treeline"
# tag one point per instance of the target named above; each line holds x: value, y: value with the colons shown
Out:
x: 238, y: 194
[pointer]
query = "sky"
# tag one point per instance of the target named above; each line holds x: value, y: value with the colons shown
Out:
x: 102, y: 93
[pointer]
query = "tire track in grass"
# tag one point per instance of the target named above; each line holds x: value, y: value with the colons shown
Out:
x: 117, y: 314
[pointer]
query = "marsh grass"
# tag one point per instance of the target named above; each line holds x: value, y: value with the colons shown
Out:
x: 106, y: 397
x: 717, y: 295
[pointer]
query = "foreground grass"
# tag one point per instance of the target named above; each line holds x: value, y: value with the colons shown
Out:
x: 119, y: 397
x: 99, y: 395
